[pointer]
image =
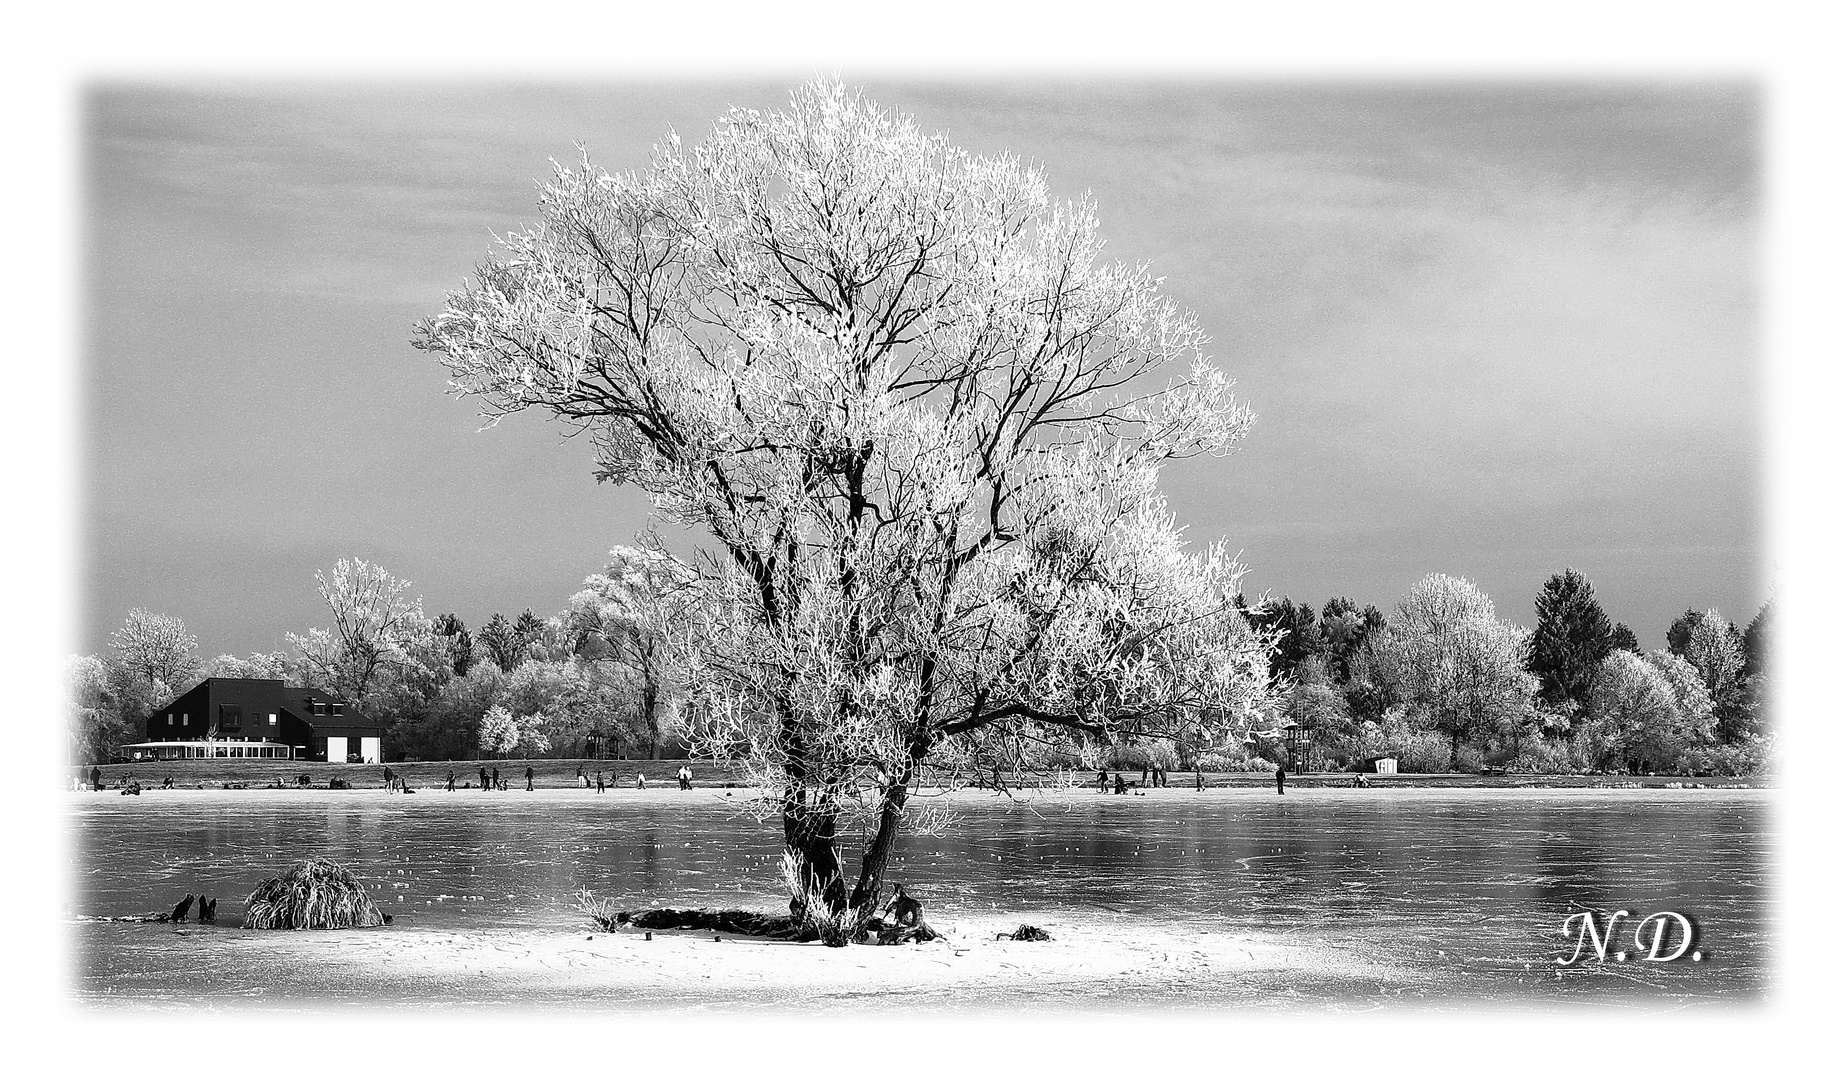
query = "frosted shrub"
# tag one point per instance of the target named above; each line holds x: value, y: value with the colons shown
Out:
x: 1750, y: 755
x: 1543, y: 757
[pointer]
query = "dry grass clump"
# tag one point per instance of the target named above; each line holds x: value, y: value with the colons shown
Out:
x: 833, y: 928
x: 314, y: 895
x: 601, y: 910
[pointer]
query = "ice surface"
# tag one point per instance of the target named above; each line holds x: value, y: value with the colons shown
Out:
x: 1457, y: 898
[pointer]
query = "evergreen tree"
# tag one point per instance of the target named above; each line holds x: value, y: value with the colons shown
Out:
x: 1573, y: 636
x: 1300, y: 636
x: 1677, y: 636
x: 460, y: 642
x: 528, y: 631
x: 1345, y: 628
x: 501, y: 642
x: 1755, y: 643
x: 1624, y: 638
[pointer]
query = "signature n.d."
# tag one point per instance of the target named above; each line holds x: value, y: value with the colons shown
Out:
x: 1591, y: 937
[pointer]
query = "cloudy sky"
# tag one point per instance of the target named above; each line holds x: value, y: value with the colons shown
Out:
x: 1490, y: 330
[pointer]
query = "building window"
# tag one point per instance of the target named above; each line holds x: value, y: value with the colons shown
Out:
x: 338, y: 709
x: 169, y: 719
x: 185, y: 719
x: 319, y: 708
x: 271, y: 719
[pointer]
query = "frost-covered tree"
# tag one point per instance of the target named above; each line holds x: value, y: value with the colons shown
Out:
x: 1715, y: 649
x: 104, y: 706
x: 253, y: 666
x: 1446, y: 652
x: 570, y: 699
x: 499, y: 732
x: 155, y: 648
x: 1693, y: 698
x: 921, y: 422
x: 379, y: 631
x: 534, y: 735
x: 1647, y: 711
x: 626, y: 615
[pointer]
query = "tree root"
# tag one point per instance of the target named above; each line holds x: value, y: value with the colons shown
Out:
x: 729, y: 921
x: 756, y: 924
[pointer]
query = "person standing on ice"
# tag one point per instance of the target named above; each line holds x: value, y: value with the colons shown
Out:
x: 528, y: 778
x: 1280, y: 779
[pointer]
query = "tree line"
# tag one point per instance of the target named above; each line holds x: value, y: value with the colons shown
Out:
x: 1442, y: 682
x: 586, y: 680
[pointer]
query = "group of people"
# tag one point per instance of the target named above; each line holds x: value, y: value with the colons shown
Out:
x: 1155, y: 776
x: 1151, y: 775
x: 489, y: 781
x: 684, y: 777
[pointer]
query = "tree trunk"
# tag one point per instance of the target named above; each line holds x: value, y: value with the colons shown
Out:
x: 650, y: 703
x: 877, y: 853
x: 810, y: 830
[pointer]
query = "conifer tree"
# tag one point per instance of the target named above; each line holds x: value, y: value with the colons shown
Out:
x: 1572, y: 637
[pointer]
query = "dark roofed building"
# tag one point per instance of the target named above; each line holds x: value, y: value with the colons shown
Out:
x: 260, y: 718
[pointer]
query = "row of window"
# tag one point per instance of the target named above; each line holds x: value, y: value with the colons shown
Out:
x: 255, y: 750
x: 231, y: 716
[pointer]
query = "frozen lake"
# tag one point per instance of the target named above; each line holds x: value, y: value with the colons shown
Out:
x: 1461, y: 895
